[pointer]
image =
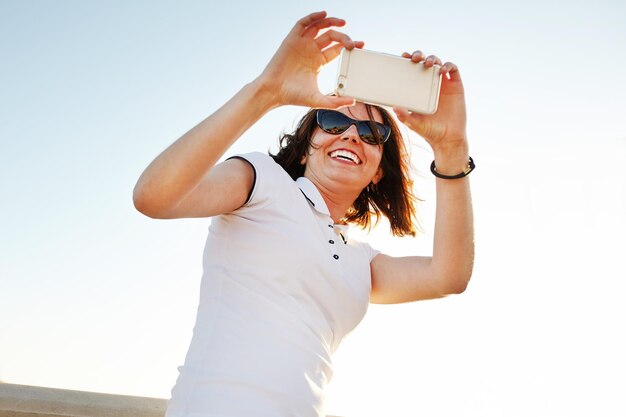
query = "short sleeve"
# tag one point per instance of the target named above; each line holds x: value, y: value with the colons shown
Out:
x: 268, y: 176
x: 364, y: 250
x: 372, y: 252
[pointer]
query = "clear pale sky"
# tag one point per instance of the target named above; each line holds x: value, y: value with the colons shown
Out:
x: 94, y: 296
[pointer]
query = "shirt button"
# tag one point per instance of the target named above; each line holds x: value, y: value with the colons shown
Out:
x: 336, y: 256
x: 332, y: 242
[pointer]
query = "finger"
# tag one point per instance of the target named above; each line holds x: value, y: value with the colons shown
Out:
x: 333, y: 51
x: 313, y: 29
x: 432, y: 60
x: 402, y: 114
x: 334, y: 102
x: 306, y: 21
x: 451, y: 70
x: 416, y: 56
x: 331, y: 36
x: 412, y: 120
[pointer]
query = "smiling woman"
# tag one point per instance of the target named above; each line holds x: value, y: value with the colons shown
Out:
x: 389, y: 191
x: 274, y: 304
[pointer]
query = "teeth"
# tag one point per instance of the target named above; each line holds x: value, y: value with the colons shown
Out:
x: 342, y: 153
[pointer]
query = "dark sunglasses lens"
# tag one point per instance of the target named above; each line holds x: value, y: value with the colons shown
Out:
x: 334, y: 122
x: 366, y: 133
x: 378, y: 135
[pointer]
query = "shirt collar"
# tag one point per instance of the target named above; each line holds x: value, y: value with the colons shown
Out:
x: 315, y: 199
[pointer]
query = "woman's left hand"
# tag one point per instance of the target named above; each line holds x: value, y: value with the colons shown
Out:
x: 444, y: 130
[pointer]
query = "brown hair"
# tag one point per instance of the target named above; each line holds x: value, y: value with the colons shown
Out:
x: 392, y: 196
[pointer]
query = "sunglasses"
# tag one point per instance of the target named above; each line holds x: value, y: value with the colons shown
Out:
x: 335, y: 123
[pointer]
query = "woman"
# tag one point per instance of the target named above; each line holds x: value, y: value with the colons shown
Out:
x: 282, y: 281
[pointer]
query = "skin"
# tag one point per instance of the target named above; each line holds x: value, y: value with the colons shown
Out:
x: 340, y: 182
x: 186, y: 181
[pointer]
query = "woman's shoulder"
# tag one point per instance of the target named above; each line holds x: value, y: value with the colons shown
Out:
x: 261, y: 162
x: 270, y: 179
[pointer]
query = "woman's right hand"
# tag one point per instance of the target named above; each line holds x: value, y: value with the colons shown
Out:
x: 291, y: 75
x: 184, y: 181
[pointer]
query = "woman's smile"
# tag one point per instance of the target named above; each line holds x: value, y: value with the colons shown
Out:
x: 345, y: 156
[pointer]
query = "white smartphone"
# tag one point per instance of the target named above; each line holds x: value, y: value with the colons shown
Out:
x: 388, y: 80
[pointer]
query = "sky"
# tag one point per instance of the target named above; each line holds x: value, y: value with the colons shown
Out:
x: 95, y: 296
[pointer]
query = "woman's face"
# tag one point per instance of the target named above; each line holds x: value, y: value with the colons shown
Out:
x: 344, y: 161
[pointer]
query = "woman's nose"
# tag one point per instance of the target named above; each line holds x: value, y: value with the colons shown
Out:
x: 352, y: 133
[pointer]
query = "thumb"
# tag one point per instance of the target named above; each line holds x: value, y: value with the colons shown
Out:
x: 333, y: 102
x: 412, y: 120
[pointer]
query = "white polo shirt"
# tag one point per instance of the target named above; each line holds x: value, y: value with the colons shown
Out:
x: 282, y: 285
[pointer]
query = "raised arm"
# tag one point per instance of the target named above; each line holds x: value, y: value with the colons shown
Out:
x: 184, y: 181
x: 448, y: 271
